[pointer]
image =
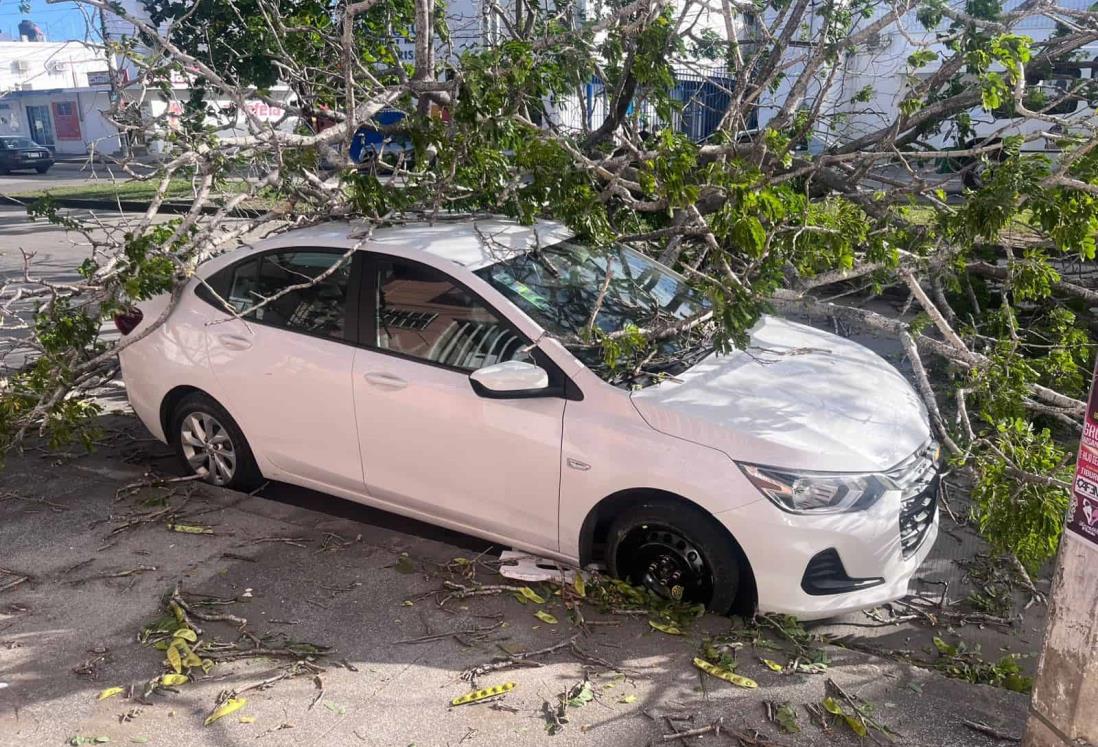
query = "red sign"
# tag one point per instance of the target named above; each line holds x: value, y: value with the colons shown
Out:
x: 1083, y: 519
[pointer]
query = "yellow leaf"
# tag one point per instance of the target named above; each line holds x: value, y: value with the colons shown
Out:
x: 488, y: 692
x: 831, y: 706
x: 110, y: 692
x: 186, y: 634
x: 247, y: 719
x: 207, y: 665
x: 579, y: 584
x: 178, y: 612
x: 190, y: 529
x: 174, y: 659
x: 192, y: 659
x: 545, y: 617
x: 171, y: 680
x: 774, y: 666
x: 668, y: 628
x: 855, y: 725
x: 723, y: 674
x: 532, y: 595
x: 232, y: 705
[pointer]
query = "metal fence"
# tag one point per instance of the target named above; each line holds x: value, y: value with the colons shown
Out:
x: 701, y: 99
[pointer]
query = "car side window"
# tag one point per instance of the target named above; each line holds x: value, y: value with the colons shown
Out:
x: 317, y: 308
x: 423, y: 313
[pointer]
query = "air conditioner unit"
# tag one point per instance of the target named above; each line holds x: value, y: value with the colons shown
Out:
x: 20, y: 66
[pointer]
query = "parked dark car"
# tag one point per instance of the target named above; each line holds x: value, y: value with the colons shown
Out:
x: 22, y: 153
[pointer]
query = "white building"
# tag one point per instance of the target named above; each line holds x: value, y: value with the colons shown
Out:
x: 56, y: 94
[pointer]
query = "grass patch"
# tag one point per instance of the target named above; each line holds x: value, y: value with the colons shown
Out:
x: 178, y: 191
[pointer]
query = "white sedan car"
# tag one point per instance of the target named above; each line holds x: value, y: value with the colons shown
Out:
x: 448, y: 372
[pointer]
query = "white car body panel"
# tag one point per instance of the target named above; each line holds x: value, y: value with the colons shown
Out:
x: 415, y: 439
x: 795, y: 396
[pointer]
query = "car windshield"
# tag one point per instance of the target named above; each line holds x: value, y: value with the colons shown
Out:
x: 16, y: 143
x: 588, y: 297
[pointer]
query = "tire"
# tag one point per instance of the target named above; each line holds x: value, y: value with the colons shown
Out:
x: 208, y: 441
x: 41, y: 169
x: 646, y: 535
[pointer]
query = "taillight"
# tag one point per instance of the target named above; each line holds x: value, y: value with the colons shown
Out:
x: 127, y: 320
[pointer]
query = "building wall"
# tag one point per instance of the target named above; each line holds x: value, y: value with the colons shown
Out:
x: 56, y: 93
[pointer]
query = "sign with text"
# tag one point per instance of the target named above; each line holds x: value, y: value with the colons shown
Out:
x: 1083, y: 518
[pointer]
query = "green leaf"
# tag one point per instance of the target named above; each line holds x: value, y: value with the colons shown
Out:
x: 772, y: 665
x: 856, y: 725
x: 335, y: 708
x: 786, y: 717
x: 545, y: 617
x: 581, y: 695
x: 186, y: 634
x: 832, y: 706
x: 404, y: 564
x: 110, y: 692
x: 630, y: 698
x: 532, y: 595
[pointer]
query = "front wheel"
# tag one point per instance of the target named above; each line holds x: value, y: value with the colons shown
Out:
x: 41, y: 169
x: 211, y: 445
x: 676, y: 551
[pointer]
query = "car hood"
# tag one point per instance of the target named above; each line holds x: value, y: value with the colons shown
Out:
x: 796, y: 398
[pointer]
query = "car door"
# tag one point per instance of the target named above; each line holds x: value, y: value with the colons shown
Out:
x: 429, y: 442
x: 284, y: 369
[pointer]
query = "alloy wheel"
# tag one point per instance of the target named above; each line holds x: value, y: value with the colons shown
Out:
x: 664, y: 561
x: 208, y: 448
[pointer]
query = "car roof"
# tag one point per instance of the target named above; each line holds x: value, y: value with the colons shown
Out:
x: 470, y: 241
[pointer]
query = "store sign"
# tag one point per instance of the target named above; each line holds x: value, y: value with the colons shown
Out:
x: 1083, y: 519
x: 102, y: 78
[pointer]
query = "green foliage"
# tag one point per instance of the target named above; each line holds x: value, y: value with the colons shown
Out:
x: 1015, y: 515
x: 959, y: 661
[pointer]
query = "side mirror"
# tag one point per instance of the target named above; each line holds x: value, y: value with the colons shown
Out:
x: 510, y: 380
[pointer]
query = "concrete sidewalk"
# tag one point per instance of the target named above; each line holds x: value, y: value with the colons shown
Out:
x: 307, y: 568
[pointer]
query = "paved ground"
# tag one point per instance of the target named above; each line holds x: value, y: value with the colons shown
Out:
x: 310, y: 568
x: 61, y: 175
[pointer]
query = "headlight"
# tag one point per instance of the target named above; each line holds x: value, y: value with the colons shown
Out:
x: 817, y: 492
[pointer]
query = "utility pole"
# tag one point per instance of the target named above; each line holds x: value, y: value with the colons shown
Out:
x: 116, y: 87
x: 1064, y: 710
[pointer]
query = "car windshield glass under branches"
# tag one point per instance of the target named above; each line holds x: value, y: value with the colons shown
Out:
x: 627, y: 317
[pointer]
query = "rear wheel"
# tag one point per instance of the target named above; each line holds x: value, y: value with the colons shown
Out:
x: 676, y: 551
x: 211, y: 445
x: 41, y: 169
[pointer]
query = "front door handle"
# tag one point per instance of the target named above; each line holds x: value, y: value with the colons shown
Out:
x: 385, y: 380
x: 235, y: 342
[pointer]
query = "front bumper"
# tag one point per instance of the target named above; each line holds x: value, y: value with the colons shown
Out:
x: 779, y: 546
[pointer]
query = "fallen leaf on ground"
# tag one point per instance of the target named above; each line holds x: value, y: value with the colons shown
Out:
x: 786, y: 717
x: 668, y: 628
x: 545, y: 617
x: 110, y: 692
x: 335, y: 708
x: 580, y: 695
x: 579, y: 585
x: 174, y: 659
x: 773, y: 665
x: 247, y: 719
x: 232, y: 705
x: 186, y: 634
x: 724, y: 674
x: 478, y: 695
x: 404, y: 564
x: 532, y: 595
x: 631, y: 698
x: 173, y: 680
x: 190, y: 529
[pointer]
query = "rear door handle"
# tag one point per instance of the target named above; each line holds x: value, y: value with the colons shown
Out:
x: 235, y: 342
x: 385, y: 380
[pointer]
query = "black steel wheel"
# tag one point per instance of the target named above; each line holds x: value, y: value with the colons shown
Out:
x: 676, y: 551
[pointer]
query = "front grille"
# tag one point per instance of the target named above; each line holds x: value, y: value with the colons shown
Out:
x: 917, y: 479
